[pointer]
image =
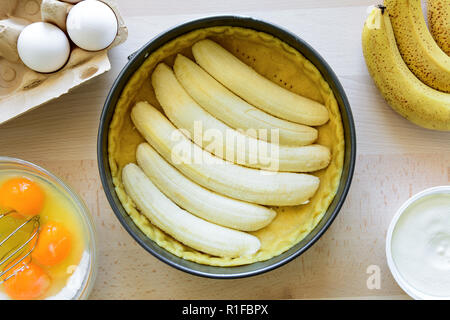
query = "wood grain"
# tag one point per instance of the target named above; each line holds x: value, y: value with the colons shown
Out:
x: 395, y: 160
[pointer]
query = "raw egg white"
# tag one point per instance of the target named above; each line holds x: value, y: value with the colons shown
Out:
x: 92, y: 25
x: 43, y: 47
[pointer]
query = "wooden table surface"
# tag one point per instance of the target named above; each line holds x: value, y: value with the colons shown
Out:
x: 395, y: 160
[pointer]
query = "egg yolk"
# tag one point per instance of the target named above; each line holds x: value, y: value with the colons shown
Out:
x: 53, y: 245
x: 23, y: 196
x: 29, y: 283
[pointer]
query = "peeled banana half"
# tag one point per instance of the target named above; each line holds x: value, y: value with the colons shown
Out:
x: 223, y: 177
x: 405, y: 93
x: 200, y: 201
x: 256, y: 89
x: 220, y: 102
x: 416, y: 45
x: 180, y: 224
x: 438, y: 13
x: 227, y: 143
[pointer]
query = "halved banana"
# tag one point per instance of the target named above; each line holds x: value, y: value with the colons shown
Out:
x: 180, y: 224
x: 225, y: 142
x: 235, y: 181
x: 200, y: 201
x: 220, y: 102
x: 254, y: 88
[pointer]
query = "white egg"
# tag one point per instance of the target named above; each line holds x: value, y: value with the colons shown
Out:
x: 91, y: 25
x: 43, y: 47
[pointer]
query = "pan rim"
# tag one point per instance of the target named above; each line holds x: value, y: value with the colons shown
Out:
x: 136, y: 59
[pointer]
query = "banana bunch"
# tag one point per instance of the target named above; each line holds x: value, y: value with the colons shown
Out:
x: 208, y: 186
x: 438, y: 13
x: 406, y: 64
x: 416, y: 45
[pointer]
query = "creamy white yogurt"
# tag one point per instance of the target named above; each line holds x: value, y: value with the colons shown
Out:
x: 420, y: 245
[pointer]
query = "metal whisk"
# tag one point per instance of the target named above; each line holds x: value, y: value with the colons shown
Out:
x: 17, y: 249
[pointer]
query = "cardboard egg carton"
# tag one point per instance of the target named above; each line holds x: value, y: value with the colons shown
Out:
x: 22, y: 89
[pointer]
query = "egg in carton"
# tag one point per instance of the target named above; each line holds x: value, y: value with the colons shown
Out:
x: 22, y: 89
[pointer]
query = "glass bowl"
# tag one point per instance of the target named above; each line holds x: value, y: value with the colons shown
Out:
x: 12, y: 165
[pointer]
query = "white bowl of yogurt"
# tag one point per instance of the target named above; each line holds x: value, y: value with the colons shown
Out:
x: 418, y: 245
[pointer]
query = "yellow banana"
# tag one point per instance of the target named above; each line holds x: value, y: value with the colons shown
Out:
x: 254, y: 88
x: 232, y: 180
x: 438, y: 13
x: 227, y: 143
x: 180, y: 224
x: 235, y: 112
x: 405, y: 93
x: 416, y: 45
x: 197, y: 200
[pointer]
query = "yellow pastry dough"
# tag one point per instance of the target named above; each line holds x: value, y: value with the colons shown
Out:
x: 276, y: 61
